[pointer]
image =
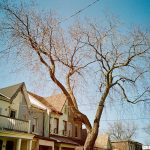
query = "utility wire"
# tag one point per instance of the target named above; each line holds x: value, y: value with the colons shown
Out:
x: 79, y: 11
x: 125, y: 119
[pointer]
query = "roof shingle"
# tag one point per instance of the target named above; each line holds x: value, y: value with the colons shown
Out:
x: 57, y: 101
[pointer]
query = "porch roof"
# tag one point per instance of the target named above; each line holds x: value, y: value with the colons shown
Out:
x: 66, y: 140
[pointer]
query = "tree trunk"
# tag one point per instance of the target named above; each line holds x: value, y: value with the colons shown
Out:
x: 92, y: 135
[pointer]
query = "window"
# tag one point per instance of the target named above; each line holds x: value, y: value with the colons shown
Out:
x: 34, y: 125
x: 56, y: 121
x: 69, y: 112
x: 65, y: 109
x: 0, y: 111
x: 70, y: 129
x: 12, y: 114
x: 50, y: 119
x: 65, y: 127
x: 76, y: 131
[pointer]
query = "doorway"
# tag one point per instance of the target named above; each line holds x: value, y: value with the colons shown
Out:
x: 9, y: 145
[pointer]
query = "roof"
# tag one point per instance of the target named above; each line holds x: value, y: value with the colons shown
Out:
x: 57, y: 101
x: 44, y: 138
x: 103, y: 141
x: 3, y: 97
x: 36, y: 103
x: 120, y: 141
x: 66, y: 140
x: 36, y: 99
x: 10, y: 91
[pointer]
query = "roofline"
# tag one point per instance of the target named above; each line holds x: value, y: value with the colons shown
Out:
x: 4, y: 96
x: 50, y: 106
x: 44, y: 138
x: 17, y: 91
x: 64, y: 104
x: 68, y: 143
x: 70, y: 138
x: 126, y: 141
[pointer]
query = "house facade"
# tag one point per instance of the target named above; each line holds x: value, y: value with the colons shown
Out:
x: 126, y: 145
x: 103, y: 142
x: 14, y: 128
x: 63, y: 127
x: 29, y: 121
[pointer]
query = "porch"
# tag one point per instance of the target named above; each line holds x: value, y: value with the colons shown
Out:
x: 10, y: 140
x: 13, y: 124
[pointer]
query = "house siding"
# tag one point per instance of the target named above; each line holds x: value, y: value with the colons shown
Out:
x: 127, y: 145
x: 39, y: 115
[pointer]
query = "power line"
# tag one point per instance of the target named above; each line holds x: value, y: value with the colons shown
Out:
x: 79, y: 11
x: 125, y: 119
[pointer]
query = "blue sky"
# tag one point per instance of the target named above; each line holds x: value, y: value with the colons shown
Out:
x: 130, y: 12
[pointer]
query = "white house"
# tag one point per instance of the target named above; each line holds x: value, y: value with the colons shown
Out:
x: 29, y: 121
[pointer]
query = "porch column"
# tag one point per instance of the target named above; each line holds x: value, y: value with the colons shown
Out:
x: 29, y: 144
x: 4, y: 144
x: 60, y: 147
x: 29, y: 126
x: 18, y: 147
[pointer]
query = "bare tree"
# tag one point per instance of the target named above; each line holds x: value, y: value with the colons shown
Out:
x: 121, y: 130
x: 121, y: 59
x: 27, y: 29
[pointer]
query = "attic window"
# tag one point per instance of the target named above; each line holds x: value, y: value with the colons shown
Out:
x: 12, y: 114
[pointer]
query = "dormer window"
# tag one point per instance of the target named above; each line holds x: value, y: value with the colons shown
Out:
x: 13, y: 114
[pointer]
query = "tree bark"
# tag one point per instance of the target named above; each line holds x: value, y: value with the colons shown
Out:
x: 92, y: 135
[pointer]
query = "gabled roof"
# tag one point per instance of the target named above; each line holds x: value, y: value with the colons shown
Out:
x: 57, y: 101
x: 11, y: 91
x: 43, y: 101
x: 4, y: 98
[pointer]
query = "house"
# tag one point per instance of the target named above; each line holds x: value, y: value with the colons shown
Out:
x: 14, y: 126
x: 23, y: 120
x: 29, y: 121
x: 102, y: 142
x: 146, y: 147
x: 63, y: 127
x: 126, y: 145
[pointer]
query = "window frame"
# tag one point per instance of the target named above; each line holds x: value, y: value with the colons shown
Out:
x: 35, y: 126
x: 76, y: 131
x: 64, y: 127
x: 10, y: 113
x: 56, y: 128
